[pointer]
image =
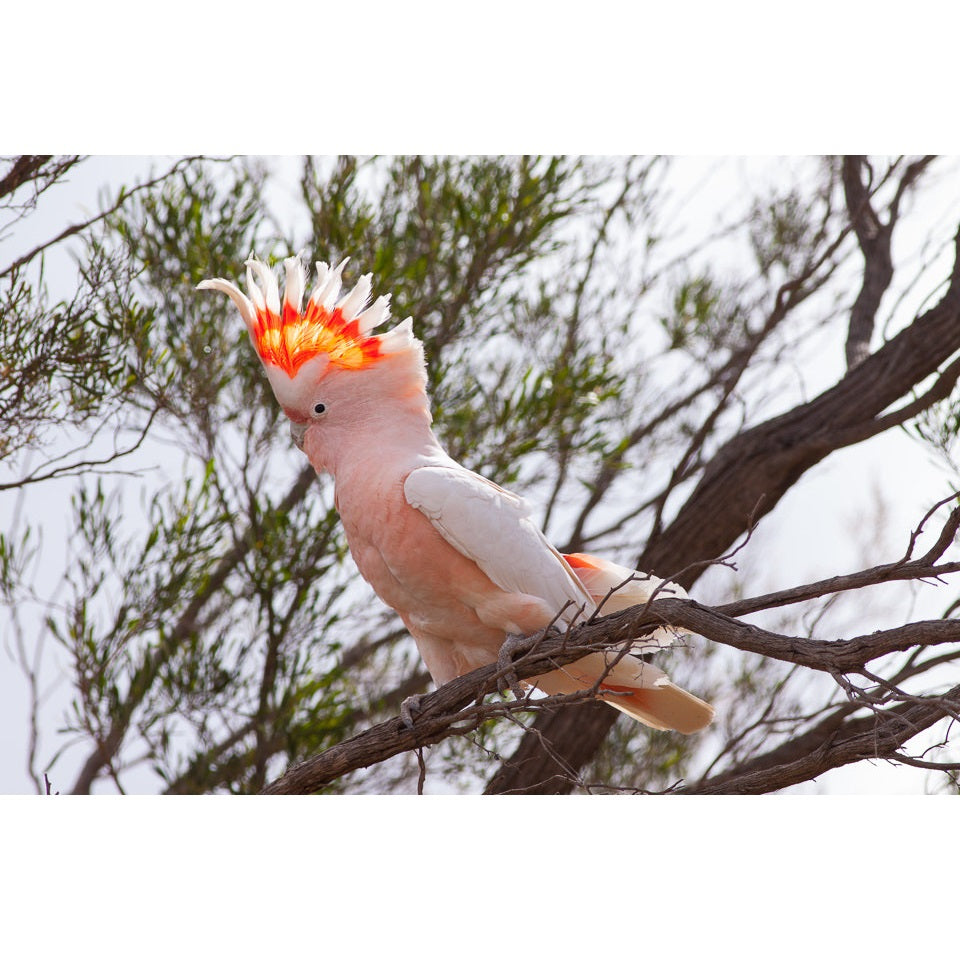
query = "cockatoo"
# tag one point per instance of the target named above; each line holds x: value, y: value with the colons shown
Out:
x: 457, y: 557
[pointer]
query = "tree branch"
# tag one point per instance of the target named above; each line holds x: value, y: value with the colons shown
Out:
x: 459, y: 707
x: 143, y: 677
x: 874, y: 239
x: 881, y: 734
x: 746, y: 479
x: 21, y: 170
x: 76, y: 228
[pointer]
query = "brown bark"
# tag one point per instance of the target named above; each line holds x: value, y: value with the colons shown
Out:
x: 22, y: 170
x: 874, y: 236
x: 834, y: 744
x: 743, y: 482
x: 459, y: 706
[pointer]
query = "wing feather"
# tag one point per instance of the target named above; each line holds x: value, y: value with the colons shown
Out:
x: 492, y: 527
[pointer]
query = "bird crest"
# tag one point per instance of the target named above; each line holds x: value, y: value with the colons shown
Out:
x: 288, y: 335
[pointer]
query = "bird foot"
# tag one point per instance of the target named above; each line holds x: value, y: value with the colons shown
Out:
x: 510, y: 646
x: 411, y: 705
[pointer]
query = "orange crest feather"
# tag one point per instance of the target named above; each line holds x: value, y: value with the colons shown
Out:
x: 291, y: 339
x: 287, y: 337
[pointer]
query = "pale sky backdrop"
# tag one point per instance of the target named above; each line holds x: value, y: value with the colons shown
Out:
x: 149, y: 875
x: 819, y: 530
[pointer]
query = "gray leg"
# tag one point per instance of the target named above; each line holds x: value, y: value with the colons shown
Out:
x: 511, y: 645
x: 410, y: 706
x: 505, y: 665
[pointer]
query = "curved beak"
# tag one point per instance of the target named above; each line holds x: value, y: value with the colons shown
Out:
x: 297, y: 431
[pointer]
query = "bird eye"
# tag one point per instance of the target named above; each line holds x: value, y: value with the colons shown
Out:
x: 319, y: 407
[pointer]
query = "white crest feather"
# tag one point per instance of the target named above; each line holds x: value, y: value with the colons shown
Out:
x: 375, y: 314
x: 328, y: 284
x: 293, y: 288
x: 271, y: 291
x: 242, y: 303
x: 357, y: 298
x: 399, y: 338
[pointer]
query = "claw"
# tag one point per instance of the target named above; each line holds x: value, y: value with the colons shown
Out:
x: 505, y: 664
x: 410, y: 706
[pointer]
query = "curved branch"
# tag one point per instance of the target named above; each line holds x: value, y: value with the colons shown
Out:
x: 142, y: 679
x: 459, y: 706
x: 877, y: 736
x: 747, y: 478
x: 874, y: 237
x: 76, y: 228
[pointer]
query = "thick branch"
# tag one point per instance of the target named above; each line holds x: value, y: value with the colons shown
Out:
x: 837, y: 656
x: 22, y: 169
x: 761, y: 464
x: 747, y: 478
x: 878, y: 735
x: 459, y: 707
x: 874, y: 239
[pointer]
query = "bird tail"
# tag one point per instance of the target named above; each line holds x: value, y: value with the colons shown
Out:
x: 614, y: 587
x: 625, y: 681
x: 636, y: 688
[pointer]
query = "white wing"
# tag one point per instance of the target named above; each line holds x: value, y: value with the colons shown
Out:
x: 493, y: 528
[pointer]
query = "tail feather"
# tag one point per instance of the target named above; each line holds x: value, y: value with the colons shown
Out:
x: 666, y: 707
x: 636, y: 688
x: 614, y: 587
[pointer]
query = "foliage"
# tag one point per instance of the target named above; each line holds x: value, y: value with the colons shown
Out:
x: 211, y: 620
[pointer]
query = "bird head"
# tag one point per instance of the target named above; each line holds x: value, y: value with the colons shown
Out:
x: 325, y: 366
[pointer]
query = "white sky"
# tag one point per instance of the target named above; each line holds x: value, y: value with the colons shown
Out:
x: 813, y: 534
x: 608, y: 77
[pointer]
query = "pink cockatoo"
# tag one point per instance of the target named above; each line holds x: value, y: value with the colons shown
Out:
x: 456, y: 556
